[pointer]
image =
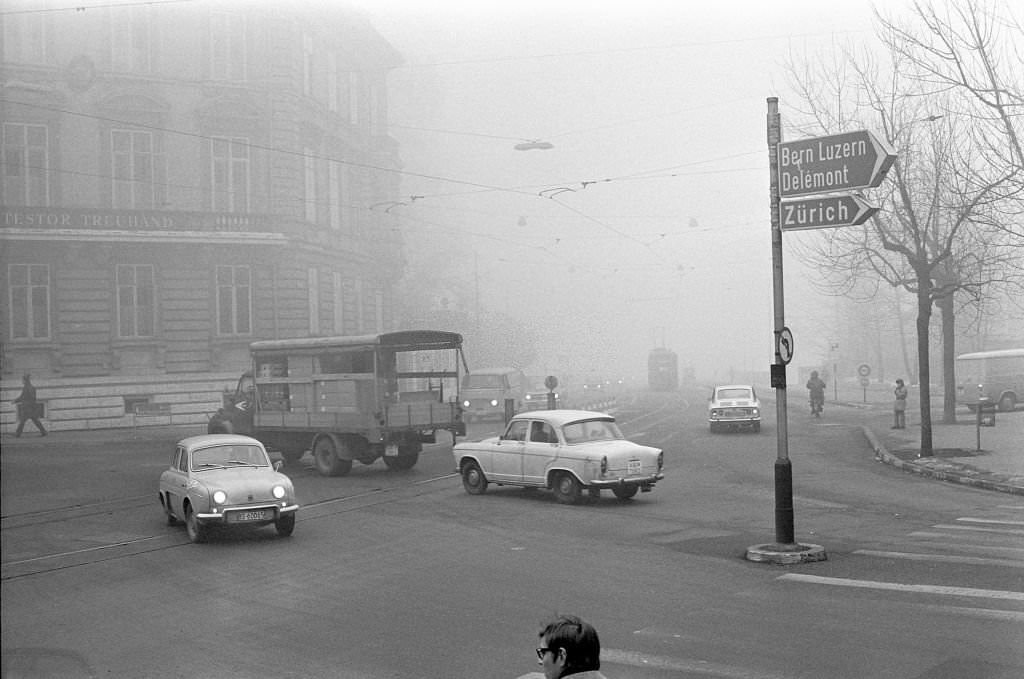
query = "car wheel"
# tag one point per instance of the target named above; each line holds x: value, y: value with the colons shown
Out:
x: 291, y: 457
x: 757, y: 427
x: 197, y: 532
x: 328, y: 462
x: 713, y: 428
x: 567, y: 489
x: 473, y: 479
x: 1007, y: 403
x: 285, y: 525
x: 401, y: 463
x: 625, y: 492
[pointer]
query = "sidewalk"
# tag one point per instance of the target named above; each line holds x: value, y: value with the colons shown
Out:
x: 956, y: 457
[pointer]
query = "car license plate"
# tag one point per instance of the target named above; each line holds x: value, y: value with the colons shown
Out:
x: 391, y: 450
x: 251, y: 515
x: 634, y: 467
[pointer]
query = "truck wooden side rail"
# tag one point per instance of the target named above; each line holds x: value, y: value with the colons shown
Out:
x: 350, y: 398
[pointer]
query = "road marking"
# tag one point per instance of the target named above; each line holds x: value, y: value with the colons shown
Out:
x: 899, y: 587
x: 990, y: 613
x: 1000, y: 522
x: 86, y: 550
x: 943, y: 558
x: 661, y: 662
x: 980, y: 529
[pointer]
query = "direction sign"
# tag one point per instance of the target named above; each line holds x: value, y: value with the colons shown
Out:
x: 837, y: 162
x: 827, y: 211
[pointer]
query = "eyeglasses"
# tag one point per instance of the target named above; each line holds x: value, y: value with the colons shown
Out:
x: 541, y: 650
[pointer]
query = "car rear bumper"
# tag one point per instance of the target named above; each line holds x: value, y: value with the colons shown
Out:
x: 648, y: 480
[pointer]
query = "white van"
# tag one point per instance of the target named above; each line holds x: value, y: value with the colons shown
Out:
x: 484, y: 392
x: 995, y: 375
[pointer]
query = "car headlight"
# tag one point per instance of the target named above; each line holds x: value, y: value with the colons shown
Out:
x: 529, y: 397
x: 220, y: 497
x: 278, y: 492
x: 494, y: 403
x: 755, y: 412
x: 465, y: 404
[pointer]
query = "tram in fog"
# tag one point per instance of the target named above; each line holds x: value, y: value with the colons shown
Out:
x: 662, y: 370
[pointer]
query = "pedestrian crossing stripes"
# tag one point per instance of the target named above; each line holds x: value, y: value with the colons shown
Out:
x: 903, y: 587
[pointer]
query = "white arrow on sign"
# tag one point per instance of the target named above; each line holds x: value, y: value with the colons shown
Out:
x: 837, y: 162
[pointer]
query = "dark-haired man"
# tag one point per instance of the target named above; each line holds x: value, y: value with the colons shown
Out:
x: 569, y: 647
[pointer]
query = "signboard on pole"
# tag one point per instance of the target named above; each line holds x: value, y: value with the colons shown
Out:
x: 834, y: 163
x: 824, y: 212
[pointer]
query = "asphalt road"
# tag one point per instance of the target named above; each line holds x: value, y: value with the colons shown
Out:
x: 404, y: 575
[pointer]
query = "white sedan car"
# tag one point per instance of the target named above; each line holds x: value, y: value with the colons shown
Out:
x: 734, y: 406
x: 563, y: 450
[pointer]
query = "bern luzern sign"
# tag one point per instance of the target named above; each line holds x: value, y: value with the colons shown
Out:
x: 834, y: 163
x: 824, y: 211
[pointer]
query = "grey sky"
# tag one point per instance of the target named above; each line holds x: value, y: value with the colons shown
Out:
x: 647, y: 223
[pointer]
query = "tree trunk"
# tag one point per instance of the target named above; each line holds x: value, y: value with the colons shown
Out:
x: 948, y: 359
x: 924, y: 314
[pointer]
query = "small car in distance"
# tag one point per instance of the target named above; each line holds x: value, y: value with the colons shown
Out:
x: 565, y: 451
x: 734, y: 406
x: 225, y: 480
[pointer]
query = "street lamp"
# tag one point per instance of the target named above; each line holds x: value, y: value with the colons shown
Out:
x: 534, y: 144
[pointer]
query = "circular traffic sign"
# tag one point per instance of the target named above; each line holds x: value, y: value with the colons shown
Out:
x: 550, y: 381
x: 864, y: 381
x: 784, y: 345
x: 864, y: 370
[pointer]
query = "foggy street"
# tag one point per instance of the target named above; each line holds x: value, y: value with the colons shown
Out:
x: 405, y: 575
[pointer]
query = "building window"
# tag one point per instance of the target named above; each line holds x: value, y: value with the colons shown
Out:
x: 307, y: 65
x: 25, y: 37
x: 132, y: 39
x: 309, y: 167
x: 313, y: 285
x: 378, y: 309
x: 26, y: 163
x: 227, y: 46
x: 230, y: 174
x: 353, y: 97
x: 136, y: 301
x: 29, y: 300
x: 334, y: 192
x: 360, y: 309
x: 339, y: 304
x: 137, y: 170
x: 333, y: 96
x: 234, y: 300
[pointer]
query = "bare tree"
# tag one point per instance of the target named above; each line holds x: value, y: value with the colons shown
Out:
x: 943, y: 227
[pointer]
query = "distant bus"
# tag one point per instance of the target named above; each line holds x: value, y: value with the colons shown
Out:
x: 996, y: 375
x: 662, y: 370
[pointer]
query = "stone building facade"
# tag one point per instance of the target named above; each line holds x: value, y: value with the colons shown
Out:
x: 178, y: 180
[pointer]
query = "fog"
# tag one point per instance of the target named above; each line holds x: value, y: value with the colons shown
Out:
x: 646, y: 223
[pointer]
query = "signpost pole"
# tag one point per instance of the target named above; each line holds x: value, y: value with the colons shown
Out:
x: 784, y: 529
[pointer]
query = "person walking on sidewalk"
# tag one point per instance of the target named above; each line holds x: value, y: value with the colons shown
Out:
x: 900, y: 405
x: 28, y: 406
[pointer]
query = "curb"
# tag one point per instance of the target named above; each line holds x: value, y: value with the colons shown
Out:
x: 963, y: 478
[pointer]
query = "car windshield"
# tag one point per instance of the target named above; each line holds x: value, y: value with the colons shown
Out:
x: 483, y: 382
x: 591, y: 430
x: 733, y: 393
x: 228, y: 456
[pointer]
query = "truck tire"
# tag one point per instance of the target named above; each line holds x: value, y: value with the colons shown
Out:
x: 327, y: 451
x: 408, y: 456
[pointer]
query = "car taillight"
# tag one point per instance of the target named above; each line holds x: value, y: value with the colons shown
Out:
x: 604, y: 465
x: 661, y: 460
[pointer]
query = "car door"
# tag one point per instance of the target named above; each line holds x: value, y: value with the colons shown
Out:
x: 507, y: 460
x: 539, y: 451
x: 174, y: 481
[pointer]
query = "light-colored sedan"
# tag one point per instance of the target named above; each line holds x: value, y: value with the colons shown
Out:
x: 734, y: 406
x: 226, y: 480
x: 566, y: 451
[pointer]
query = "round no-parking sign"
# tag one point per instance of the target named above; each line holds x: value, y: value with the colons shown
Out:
x: 864, y: 370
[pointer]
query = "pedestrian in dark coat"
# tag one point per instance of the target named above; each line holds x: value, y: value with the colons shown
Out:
x: 28, y: 407
x: 900, y: 405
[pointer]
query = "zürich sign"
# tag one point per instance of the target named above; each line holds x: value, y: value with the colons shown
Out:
x: 834, y: 163
x: 824, y: 211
